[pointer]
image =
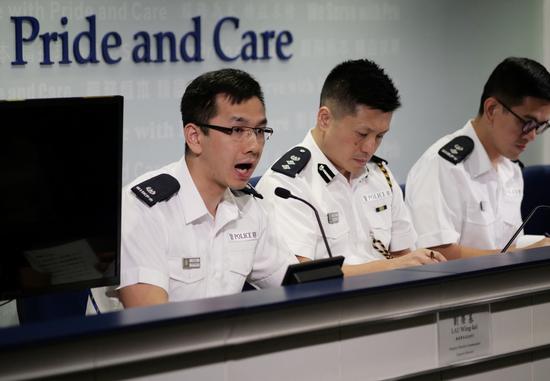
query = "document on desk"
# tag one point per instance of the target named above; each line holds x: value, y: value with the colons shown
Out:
x: 69, y: 262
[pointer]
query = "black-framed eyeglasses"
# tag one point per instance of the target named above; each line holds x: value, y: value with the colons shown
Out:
x: 528, y: 124
x: 240, y: 133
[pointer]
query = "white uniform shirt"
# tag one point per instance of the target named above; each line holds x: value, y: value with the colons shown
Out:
x: 177, y: 245
x: 347, y: 210
x: 471, y: 203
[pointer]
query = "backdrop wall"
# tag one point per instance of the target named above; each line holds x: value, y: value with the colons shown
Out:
x: 439, y: 53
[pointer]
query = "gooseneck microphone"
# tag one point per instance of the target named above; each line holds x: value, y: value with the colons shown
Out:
x: 285, y: 193
x: 522, y: 225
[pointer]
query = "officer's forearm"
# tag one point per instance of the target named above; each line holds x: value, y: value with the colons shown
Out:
x: 142, y: 295
x: 456, y: 251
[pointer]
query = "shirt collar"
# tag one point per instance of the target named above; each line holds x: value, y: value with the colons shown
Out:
x: 194, y: 207
x: 228, y: 209
x: 478, y: 162
x: 318, y: 157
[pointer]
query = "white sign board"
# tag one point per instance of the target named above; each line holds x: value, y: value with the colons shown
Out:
x: 464, y: 334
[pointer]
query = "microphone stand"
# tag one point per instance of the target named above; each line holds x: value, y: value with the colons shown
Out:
x: 317, y: 269
x: 521, y: 227
x: 318, y: 221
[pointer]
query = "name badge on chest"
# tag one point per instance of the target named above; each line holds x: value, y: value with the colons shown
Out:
x: 191, y: 263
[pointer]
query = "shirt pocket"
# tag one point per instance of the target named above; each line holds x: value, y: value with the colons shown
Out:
x: 380, y: 217
x: 337, y: 237
x: 179, y: 274
x: 380, y: 221
x: 511, y: 216
x: 241, y: 258
x: 480, y: 214
x: 479, y: 228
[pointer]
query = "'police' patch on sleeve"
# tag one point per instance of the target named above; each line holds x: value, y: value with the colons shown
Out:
x: 457, y: 149
x: 156, y: 189
x: 292, y: 162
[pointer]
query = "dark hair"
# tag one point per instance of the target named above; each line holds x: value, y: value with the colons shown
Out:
x: 198, y: 103
x: 359, y: 82
x: 514, y: 79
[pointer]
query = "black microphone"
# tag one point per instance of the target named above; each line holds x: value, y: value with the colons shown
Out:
x: 318, y: 269
x: 285, y: 193
x: 521, y: 226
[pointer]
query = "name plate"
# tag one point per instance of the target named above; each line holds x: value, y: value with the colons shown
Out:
x: 464, y: 334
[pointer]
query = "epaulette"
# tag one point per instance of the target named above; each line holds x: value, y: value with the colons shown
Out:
x: 519, y: 162
x: 325, y: 172
x: 457, y: 149
x: 156, y: 189
x: 249, y: 189
x: 376, y: 159
x: 292, y: 162
x: 380, y: 163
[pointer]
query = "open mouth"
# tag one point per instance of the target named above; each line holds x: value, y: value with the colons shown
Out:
x: 243, y: 167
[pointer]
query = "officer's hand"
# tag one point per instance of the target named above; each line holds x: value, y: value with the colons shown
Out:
x: 420, y: 257
x: 540, y: 243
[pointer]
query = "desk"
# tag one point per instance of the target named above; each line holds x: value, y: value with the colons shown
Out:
x: 372, y: 327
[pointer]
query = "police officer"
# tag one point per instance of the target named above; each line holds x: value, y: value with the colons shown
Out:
x: 334, y: 168
x: 186, y: 233
x: 465, y: 191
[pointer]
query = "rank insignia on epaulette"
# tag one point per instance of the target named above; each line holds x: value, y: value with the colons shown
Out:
x: 457, y: 149
x: 292, y: 162
x: 156, y: 189
x: 325, y: 172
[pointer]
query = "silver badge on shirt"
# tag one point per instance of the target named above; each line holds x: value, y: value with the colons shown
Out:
x: 191, y: 263
x: 332, y: 217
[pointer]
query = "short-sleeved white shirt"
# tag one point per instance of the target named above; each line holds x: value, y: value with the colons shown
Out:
x: 177, y: 244
x: 349, y: 212
x: 471, y: 203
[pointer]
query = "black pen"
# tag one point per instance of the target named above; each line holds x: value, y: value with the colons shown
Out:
x: 547, y: 235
